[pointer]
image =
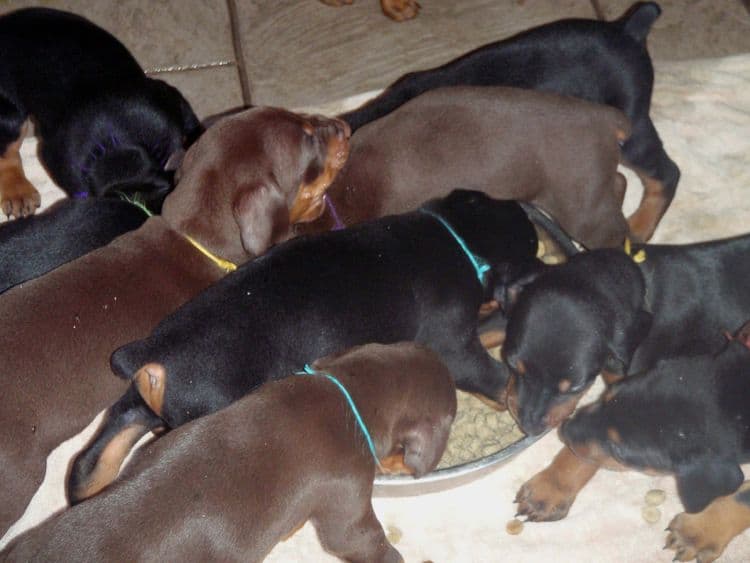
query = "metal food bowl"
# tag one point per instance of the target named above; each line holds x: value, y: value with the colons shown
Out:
x: 449, y: 477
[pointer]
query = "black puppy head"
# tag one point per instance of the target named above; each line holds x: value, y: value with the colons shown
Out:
x: 564, y: 329
x: 497, y: 230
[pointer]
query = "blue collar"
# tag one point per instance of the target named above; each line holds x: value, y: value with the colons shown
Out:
x: 481, y: 266
x: 310, y: 371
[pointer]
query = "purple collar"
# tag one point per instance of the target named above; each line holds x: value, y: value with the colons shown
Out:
x: 338, y: 224
x: 80, y: 195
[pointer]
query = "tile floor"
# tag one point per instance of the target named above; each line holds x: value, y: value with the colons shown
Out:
x: 223, y: 53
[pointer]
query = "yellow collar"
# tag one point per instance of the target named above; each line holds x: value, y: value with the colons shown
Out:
x: 225, y: 265
x: 638, y: 257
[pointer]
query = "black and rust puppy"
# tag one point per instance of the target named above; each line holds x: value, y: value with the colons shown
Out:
x: 418, y: 276
x: 103, y: 125
x: 689, y: 416
x: 603, y: 62
x: 602, y: 310
x: 34, y: 245
x: 259, y: 469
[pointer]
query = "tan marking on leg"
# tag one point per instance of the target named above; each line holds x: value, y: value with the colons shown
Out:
x: 562, y: 410
x: 394, y: 465
x: 496, y: 405
x: 492, y: 339
x: 611, y: 378
x: 653, y: 204
x: 705, y: 535
x: 549, y: 494
x: 309, y: 204
x: 400, y: 10
x: 486, y: 309
x: 151, y: 382
x: 18, y: 198
x: 108, y: 465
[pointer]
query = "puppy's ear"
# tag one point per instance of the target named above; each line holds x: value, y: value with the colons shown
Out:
x: 424, y: 446
x: 625, y: 340
x: 262, y: 215
x: 703, y: 480
x: 512, y: 278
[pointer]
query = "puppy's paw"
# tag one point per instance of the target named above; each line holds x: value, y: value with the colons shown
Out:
x: 400, y: 10
x: 691, y: 536
x: 19, y: 198
x: 543, y: 499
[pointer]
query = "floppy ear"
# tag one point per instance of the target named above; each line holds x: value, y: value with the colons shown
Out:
x: 423, y: 449
x: 263, y: 217
x: 625, y: 340
x: 512, y: 278
x: 699, y: 483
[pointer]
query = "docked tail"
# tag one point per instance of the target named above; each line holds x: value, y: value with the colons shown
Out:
x: 637, y: 21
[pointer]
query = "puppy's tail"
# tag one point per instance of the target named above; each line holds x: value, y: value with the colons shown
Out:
x: 569, y: 246
x: 637, y: 21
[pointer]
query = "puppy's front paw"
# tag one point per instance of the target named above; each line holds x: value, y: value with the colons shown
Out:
x: 691, y: 536
x: 19, y: 198
x: 400, y: 10
x: 543, y: 499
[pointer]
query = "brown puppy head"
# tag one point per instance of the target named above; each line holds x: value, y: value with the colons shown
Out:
x: 251, y: 175
x: 407, y: 399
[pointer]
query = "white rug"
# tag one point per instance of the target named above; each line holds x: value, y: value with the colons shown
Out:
x: 702, y: 112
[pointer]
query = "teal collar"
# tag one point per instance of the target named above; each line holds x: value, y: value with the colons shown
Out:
x: 481, y: 266
x: 310, y: 371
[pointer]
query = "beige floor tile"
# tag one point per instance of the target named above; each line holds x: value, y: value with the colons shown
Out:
x: 301, y: 52
x: 209, y: 90
x: 689, y: 29
x: 159, y: 34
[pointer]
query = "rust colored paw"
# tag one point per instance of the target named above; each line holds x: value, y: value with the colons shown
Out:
x: 400, y: 10
x: 19, y: 199
x: 541, y: 500
x: 690, y: 538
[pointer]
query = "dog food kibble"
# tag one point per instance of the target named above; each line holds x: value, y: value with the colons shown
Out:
x: 655, y: 497
x: 651, y: 514
x: 393, y: 534
x: 514, y: 527
x: 478, y: 431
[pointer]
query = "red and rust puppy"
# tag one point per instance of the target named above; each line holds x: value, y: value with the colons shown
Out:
x: 259, y: 469
x: 398, y: 10
x: 598, y: 61
x: 605, y: 311
x: 233, y: 198
x: 558, y: 153
x: 690, y: 417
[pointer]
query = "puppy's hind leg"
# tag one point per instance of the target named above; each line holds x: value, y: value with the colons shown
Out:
x: 18, y: 198
x: 347, y: 527
x: 99, y: 463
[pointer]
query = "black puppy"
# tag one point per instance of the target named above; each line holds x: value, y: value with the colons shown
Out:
x: 603, y: 62
x: 103, y: 125
x: 604, y: 311
x: 403, y: 277
x: 689, y: 416
x: 32, y: 246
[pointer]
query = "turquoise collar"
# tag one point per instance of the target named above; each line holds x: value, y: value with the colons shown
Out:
x: 310, y: 371
x: 481, y: 266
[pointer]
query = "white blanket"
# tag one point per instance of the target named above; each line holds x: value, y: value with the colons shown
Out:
x: 702, y: 112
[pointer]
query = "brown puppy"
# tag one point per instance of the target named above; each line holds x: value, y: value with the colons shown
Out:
x: 556, y: 152
x: 59, y: 330
x: 251, y: 474
x: 398, y: 10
